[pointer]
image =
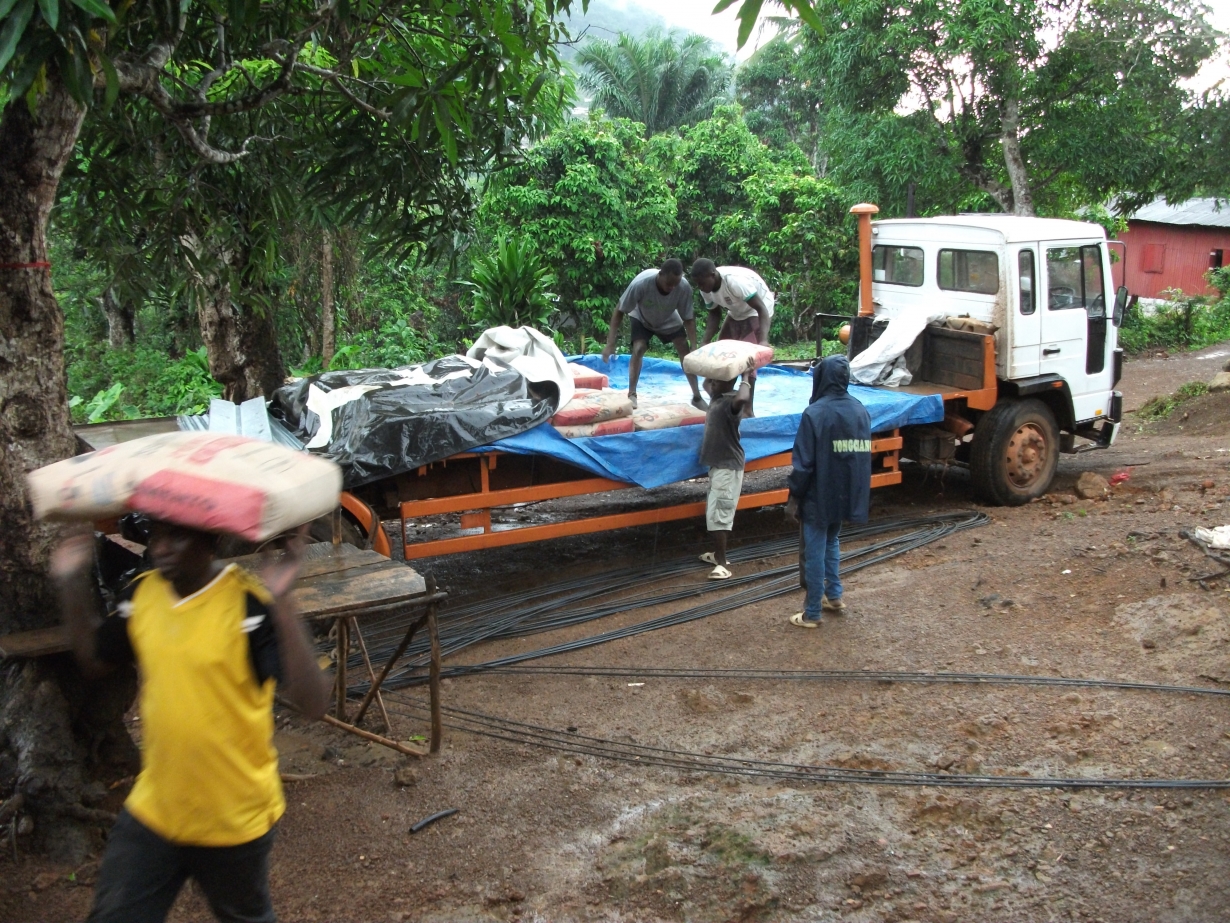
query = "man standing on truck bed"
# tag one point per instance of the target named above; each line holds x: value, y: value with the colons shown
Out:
x: 659, y: 302
x: 830, y: 483
x: 748, y: 302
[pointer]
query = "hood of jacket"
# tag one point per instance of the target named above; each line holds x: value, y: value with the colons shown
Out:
x: 832, y: 377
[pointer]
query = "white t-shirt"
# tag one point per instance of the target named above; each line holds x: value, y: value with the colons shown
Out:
x: 739, y: 285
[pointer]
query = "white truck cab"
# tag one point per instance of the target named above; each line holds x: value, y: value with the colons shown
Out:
x: 1042, y: 289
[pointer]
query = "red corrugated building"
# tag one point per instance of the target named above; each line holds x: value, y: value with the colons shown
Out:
x: 1173, y: 246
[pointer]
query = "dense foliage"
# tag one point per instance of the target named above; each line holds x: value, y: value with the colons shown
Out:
x: 562, y: 225
x: 662, y: 81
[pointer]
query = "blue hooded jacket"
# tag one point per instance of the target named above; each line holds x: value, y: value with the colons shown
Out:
x: 831, y: 479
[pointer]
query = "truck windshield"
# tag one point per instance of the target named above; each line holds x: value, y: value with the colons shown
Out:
x: 969, y: 271
x: 897, y: 265
x: 1074, y: 277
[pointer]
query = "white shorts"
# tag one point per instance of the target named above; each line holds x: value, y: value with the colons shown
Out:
x: 725, y: 485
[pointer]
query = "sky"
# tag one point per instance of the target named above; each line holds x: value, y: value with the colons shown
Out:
x: 697, y: 15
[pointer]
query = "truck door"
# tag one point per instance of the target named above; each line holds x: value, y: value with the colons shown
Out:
x: 1073, y: 341
x: 1025, y: 323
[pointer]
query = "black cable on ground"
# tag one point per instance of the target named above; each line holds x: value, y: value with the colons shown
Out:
x: 882, y: 677
x: 688, y: 761
x: 509, y: 617
x: 554, y: 606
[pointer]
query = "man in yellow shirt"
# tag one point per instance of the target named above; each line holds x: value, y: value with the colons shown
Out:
x: 210, y: 642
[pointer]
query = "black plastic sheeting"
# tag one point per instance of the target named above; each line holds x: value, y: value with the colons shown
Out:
x: 397, y: 428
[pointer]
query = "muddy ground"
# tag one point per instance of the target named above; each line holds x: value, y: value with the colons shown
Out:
x: 1062, y: 587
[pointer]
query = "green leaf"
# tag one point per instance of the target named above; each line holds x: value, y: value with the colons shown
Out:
x: 113, y: 83
x: 748, y: 13
x: 807, y: 13
x: 724, y: 5
x: 13, y: 29
x: 96, y: 9
x: 51, y: 12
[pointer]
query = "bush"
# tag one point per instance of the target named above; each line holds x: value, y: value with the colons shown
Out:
x: 510, y: 286
x: 124, y: 384
x: 1183, y: 322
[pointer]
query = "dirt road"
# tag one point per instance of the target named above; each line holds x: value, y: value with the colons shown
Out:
x: 1063, y: 587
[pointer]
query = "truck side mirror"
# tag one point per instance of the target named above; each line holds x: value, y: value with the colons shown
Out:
x: 1121, y: 299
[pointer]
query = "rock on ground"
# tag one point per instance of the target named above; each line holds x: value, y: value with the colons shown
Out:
x: 1092, y: 486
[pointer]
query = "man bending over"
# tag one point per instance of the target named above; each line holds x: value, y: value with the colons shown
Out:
x: 748, y: 303
x: 659, y: 303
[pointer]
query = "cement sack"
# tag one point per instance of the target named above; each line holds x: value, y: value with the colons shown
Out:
x: 594, y: 407
x: 606, y: 428
x: 207, y: 481
x: 726, y: 360
x: 588, y: 378
x: 667, y: 416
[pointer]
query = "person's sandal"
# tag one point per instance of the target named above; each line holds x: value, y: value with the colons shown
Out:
x: 797, y: 619
x: 719, y: 573
x: 699, y: 403
x: 632, y: 398
x: 709, y: 558
x: 833, y: 605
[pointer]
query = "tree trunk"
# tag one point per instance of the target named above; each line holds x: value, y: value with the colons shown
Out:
x: 45, y: 736
x: 1009, y: 139
x: 327, y: 321
x: 121, y: 332
x: 242, y: 344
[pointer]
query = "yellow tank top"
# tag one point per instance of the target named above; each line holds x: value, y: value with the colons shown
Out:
x: 209, y: 771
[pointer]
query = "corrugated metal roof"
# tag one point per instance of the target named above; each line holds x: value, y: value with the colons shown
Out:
x: 1209, y: 213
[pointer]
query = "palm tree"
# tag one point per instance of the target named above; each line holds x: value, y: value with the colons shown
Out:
x: 659, y: 80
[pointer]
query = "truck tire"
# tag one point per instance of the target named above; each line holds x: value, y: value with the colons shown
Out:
x: 1014, y: 452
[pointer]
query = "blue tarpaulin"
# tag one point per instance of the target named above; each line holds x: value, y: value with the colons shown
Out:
x: 657, y: 457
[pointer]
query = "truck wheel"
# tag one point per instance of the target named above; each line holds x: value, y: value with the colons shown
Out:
x: 1014, y: 452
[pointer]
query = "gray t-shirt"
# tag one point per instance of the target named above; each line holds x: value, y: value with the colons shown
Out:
x: 658, y: 312
x: 720, y: 447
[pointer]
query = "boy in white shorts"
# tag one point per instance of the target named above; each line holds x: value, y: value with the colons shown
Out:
x: 722, y: 451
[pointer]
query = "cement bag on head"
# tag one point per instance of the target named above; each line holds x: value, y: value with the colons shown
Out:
x: 587, y: 378
x: 594, y: 407
x: 667, y: 416
x: 201, y: 480
x: 605, y: 428
x: 726, y: 359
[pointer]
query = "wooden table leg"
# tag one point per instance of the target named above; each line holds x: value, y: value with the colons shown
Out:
x: 343, y: 652
x: 371, y: 673
x: 433, y: 630
x: 392, y: 661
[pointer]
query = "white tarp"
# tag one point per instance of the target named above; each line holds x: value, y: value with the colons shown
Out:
x: 530, y: 352
x: 883, y: 362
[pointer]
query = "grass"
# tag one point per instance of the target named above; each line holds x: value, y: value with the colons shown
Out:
x: 1161, y: 407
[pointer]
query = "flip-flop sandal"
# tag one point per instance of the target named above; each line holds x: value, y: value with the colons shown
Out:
x: 719, y: 573
x: 708, y: 558
x: 797, y: 619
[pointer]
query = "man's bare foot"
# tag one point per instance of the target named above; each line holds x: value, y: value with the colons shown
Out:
x: 632, y: 398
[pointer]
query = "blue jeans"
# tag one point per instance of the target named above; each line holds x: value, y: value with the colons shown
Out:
x: 821, y: 556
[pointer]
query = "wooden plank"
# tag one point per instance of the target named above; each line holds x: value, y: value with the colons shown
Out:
x: 326, y: 596
x: 36, y: 643
x: 320, y: 558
